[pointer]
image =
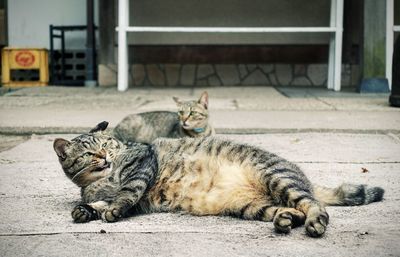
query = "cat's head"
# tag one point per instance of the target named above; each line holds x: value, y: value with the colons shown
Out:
x: 87, y: 157
x: 193, y: 115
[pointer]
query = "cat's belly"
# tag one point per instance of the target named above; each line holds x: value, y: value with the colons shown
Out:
x: 207, y: 186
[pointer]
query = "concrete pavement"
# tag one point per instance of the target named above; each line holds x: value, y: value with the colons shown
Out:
x: 335, y: 138
x: 236, y: 109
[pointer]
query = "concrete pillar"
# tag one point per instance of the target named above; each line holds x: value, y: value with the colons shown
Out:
x: 373, y: 56
x: 107, y: 41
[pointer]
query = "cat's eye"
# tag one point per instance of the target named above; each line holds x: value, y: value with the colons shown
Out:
x: 82, y: 157
x: 181, y: 113
x: 87, y: 154
x: 104, y: 145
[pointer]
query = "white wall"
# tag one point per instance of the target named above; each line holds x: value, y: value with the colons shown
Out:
x: 29, y: 20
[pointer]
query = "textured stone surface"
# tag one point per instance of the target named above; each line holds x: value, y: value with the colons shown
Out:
x: 231, y: 74
x: 172, y: 74
x: 156, y: 75
x: 318, y: 74
x: 284, y: 74
x: 138, y: 74
x: 205, y: 70
x: 107, y: 75
x: 214, y: 80
x: 242, y: 69
x: 257, y: 77
x: 267, y: 68
x: 188, y: 75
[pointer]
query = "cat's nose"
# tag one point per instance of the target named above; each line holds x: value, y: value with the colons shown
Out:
x: 102, y: 153
x: 185, y: 121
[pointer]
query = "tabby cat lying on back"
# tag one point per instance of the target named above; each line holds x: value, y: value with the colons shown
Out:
x: 190, y: 120
x: 201, y: 176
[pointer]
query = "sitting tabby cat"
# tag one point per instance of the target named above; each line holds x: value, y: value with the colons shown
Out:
x: 191, y: 120
x: 201, y: 176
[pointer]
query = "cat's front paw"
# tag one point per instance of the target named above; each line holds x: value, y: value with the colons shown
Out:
x: 111, y: 215
x: 316, y: 224
x: 84, y: 213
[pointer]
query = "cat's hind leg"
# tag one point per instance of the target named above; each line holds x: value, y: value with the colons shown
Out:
x: 287, y: 218
x: 283, y: 218
x: 317, y: 218
x: 290, y: 187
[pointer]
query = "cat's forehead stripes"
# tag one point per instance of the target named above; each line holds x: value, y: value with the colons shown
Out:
x: 188, y: 104
x: 191, y: 106
x: 87, y: 140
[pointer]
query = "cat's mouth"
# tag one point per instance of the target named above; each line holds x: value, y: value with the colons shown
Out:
x: 186, y: 125
x: 106, y: 165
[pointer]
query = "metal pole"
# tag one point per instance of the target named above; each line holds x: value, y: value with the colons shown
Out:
x: 389, y: 39
x: 91, y: 80
x: 332, y: 42
x: 338, y: 45
x: 52, y: 64
x: 62, y: 55
x: 123, y: 22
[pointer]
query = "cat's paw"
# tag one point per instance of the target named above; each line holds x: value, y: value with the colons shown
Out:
x: 111, y: 215
x: 316, y: 224
x: 286, y: 219
x: 84, y: 213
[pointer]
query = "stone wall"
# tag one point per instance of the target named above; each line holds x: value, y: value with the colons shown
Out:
x: 228, y: 75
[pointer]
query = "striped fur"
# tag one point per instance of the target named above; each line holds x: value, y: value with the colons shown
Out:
x: 191, y: 120
x: 201, y: 176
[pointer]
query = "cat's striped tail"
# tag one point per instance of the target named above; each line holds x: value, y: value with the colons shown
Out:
x: 348, y: 194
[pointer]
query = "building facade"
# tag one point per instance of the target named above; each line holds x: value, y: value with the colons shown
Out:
x: 202, y: 59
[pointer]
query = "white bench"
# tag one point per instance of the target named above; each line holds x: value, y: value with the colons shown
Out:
x: 335, y: 44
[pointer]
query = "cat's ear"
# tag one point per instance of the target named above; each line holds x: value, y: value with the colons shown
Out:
x: 60, y: 145
x: 177, y: 100
x: 99, y: 127
x: 204, y: 99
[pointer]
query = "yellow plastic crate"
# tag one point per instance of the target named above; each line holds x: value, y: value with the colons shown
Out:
x: 24, y: 59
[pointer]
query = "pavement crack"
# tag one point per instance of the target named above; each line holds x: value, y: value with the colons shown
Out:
x: 113, y: 232
x: 235, y: 104
x: 326, y: 103
x: 144, y: 103
x: 395, y: 137
x: 348, y: 162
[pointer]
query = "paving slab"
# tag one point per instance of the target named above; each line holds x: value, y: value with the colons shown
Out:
x: 36, y: 199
